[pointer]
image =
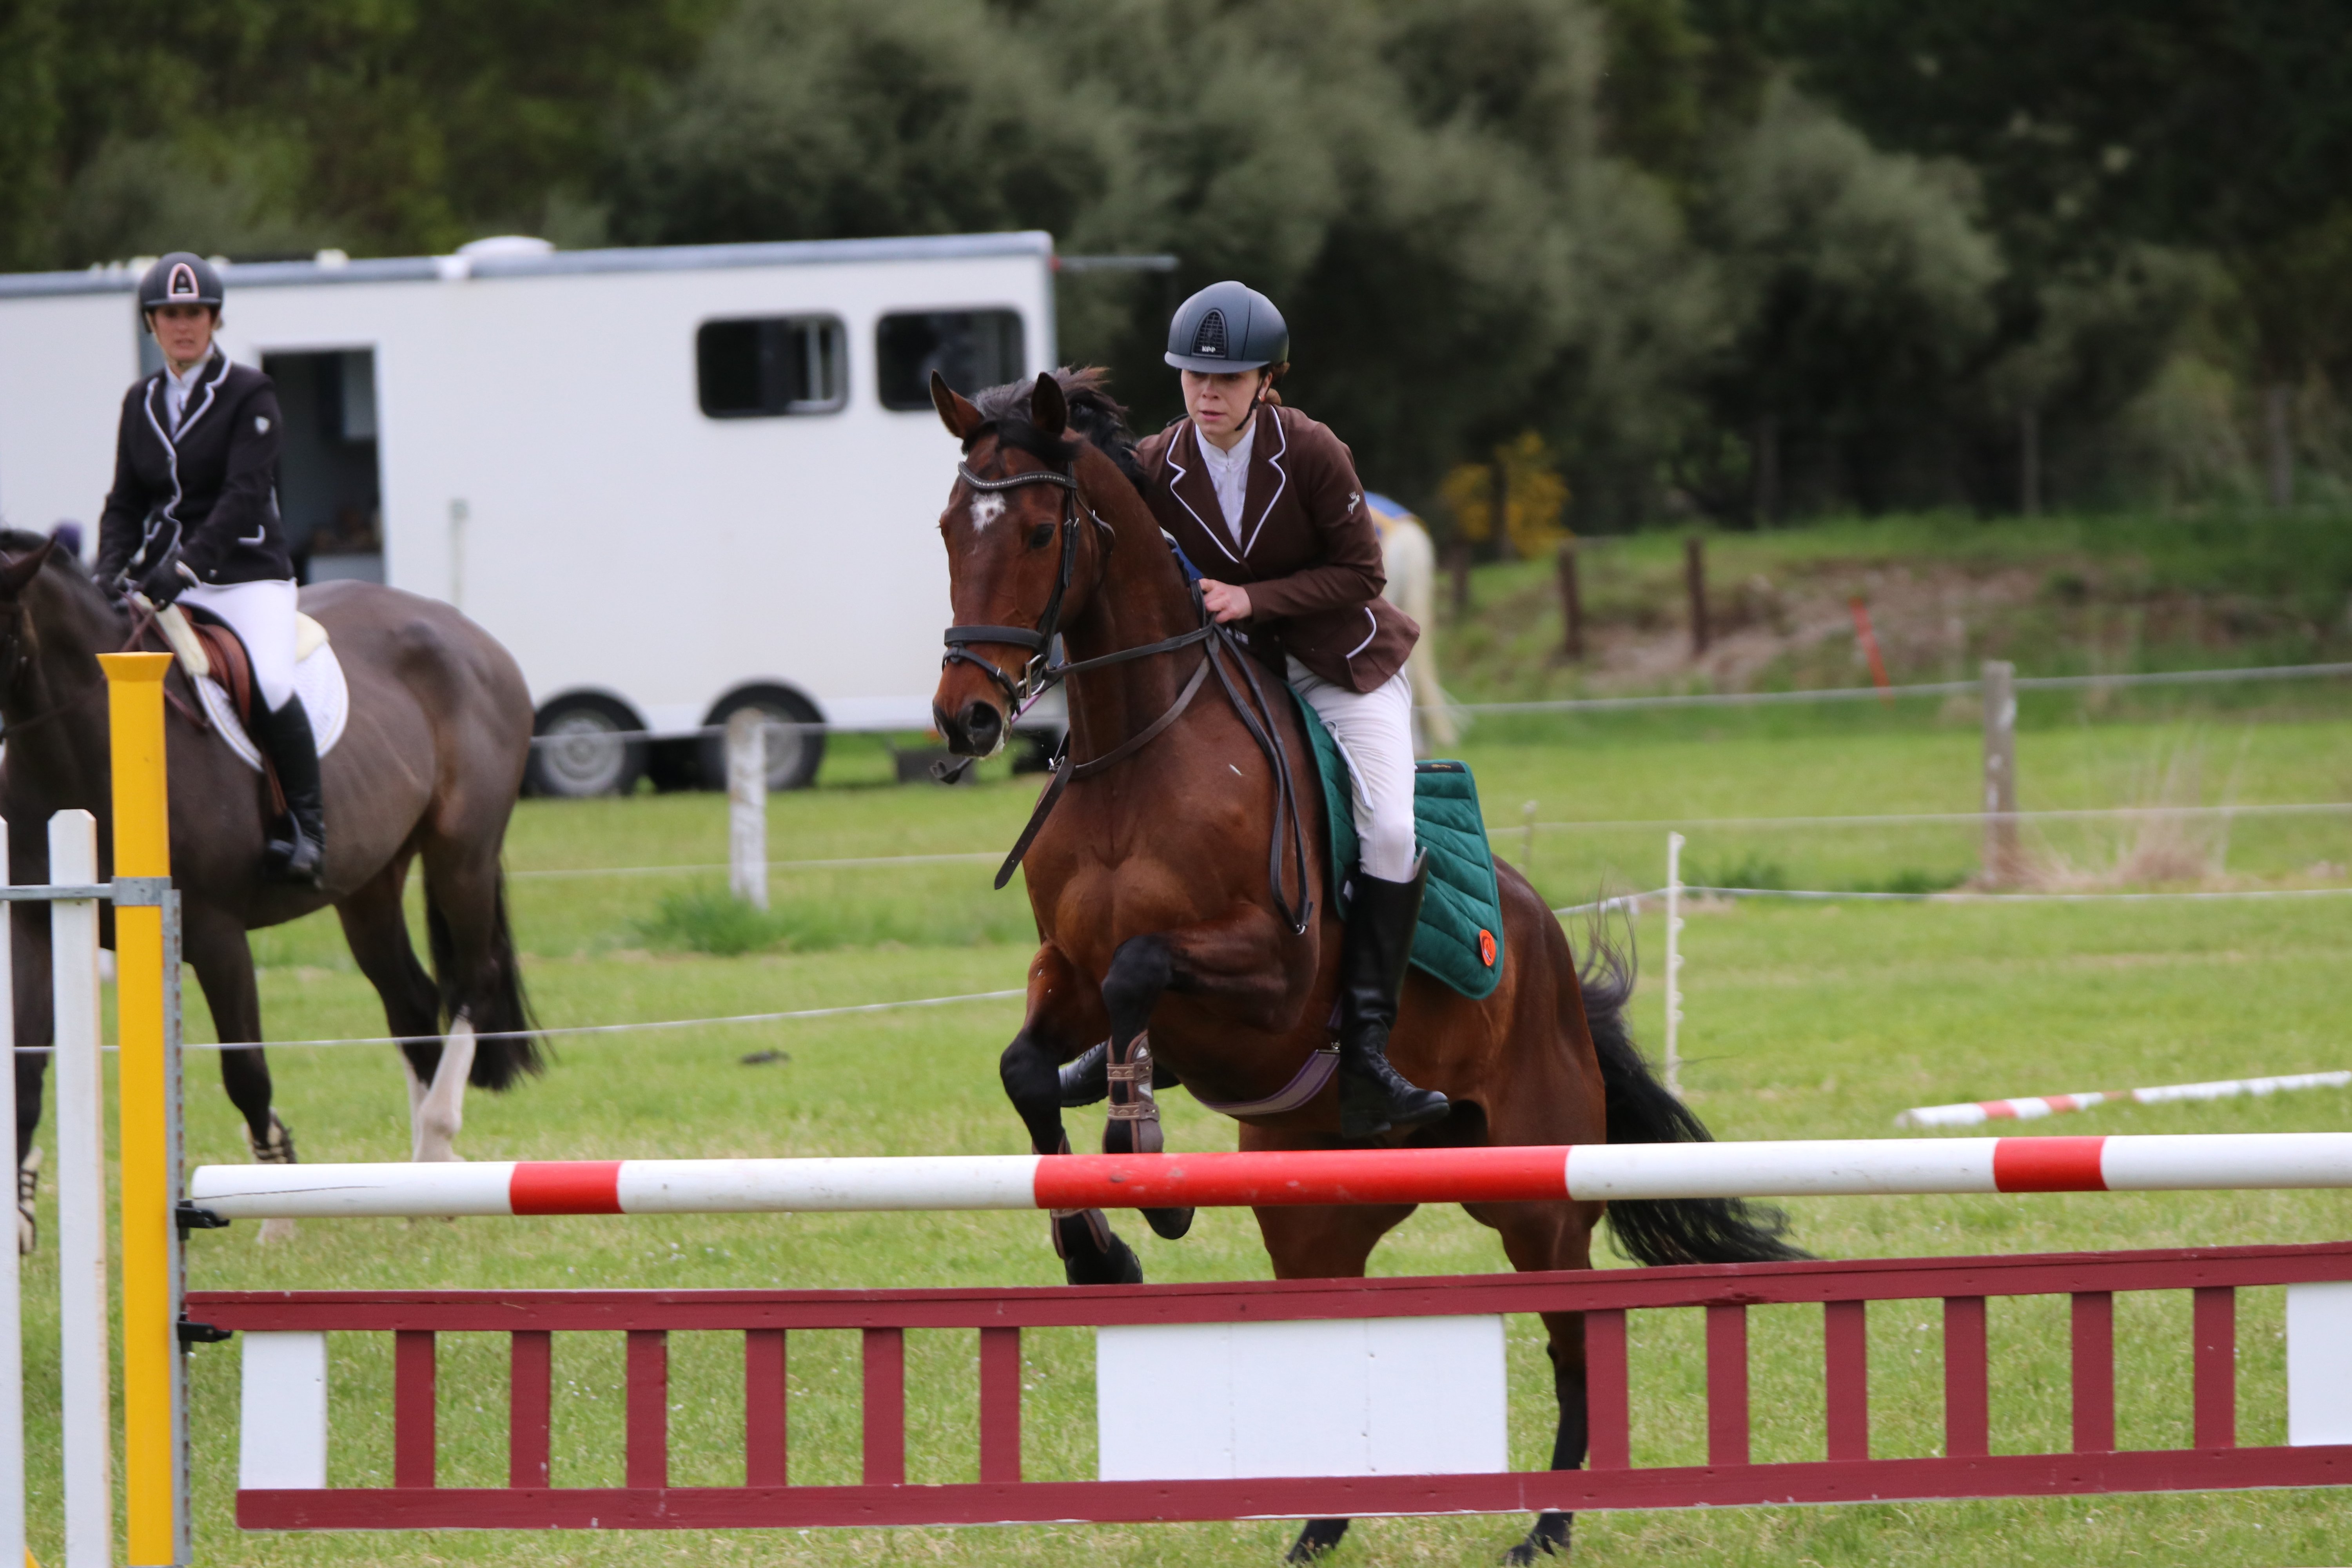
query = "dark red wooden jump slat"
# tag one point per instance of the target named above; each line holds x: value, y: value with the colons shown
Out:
x: 531, y: 1379
x: 647, y: 1464
x: 1845, y: 1364
x: 2094, y: 1372
x: 1608, y: 1398
x: 1727, y: 1385
x: 764, y: 1408
x: 885, y: 1408
x: 2215, y: 1328
x: 412, y: 1407
x: 1968, y: 1406
x: 1000, y: 1404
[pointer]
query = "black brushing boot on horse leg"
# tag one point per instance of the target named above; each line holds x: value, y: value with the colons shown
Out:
x: 1373, y: 1096
x: 295, y: 852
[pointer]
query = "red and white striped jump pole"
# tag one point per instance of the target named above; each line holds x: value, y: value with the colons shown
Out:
x: 1810, y: 1168
x: 1976, y: 1112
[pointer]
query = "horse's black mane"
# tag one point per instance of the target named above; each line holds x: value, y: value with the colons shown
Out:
x: 1094, y: 415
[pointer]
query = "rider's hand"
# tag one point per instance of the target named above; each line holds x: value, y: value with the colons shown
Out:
x: 1224, y: 601
x: 166, y: 580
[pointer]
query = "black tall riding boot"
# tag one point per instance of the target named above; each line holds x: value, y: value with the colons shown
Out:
x: 297, y: 850
x: 1373, y: 1096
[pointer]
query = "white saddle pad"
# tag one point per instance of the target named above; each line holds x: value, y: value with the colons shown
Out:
x: 318, y: 681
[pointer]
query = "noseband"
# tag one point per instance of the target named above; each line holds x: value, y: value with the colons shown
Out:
x: 1037, y: 674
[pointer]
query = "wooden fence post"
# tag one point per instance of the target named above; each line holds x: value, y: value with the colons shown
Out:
x: 2001, y: 857
x: 1694, y: 580
x: 1572, y: 601
x: 747, y: 805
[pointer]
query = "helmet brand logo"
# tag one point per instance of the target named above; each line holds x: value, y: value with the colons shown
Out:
x: 182, y: 285
x: 1212, y: 339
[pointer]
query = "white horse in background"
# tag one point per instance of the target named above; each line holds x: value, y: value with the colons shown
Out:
x: 1411, y: 561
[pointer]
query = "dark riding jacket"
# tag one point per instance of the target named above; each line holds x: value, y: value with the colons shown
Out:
x: 211, y: 489
x: 1309, y: 553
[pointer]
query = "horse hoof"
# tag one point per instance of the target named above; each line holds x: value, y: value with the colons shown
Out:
x: 1169, y: 1224
x: 1547, y: 1539
x: 1318, y: 1537
x: 1117, y: 1265
x: 274, y: 1231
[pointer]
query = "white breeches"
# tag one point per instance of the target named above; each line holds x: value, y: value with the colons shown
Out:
x: 1375, y: 728
x: 262, y: 615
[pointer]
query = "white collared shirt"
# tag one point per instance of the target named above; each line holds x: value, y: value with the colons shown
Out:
x: 177, y: 386
x: 1229, y: 474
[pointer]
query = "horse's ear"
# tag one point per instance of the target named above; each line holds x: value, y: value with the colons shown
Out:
x: 16, y: 574
x: 1048, y: 409
x: 955, y: 412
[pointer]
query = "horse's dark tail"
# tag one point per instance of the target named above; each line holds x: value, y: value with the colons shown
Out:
x: 1641, y: 1111
x: 495, y: 1002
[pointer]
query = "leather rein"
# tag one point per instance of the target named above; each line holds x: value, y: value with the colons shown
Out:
x: 1219, y: 647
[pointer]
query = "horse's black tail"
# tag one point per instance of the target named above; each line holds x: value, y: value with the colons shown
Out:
x: 1641, y: 1111
x: 495, y: 1002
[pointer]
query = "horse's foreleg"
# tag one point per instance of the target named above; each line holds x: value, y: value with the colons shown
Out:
x: 1139, y: 972
x: 217, y: 950
x: 437, y: 1112
x: 1548, y: 1236
x: 1065, y: 1011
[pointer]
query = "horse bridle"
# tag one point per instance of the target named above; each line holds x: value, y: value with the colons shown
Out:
x: 1040, y: 675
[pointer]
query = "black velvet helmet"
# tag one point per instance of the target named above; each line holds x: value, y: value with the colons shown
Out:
x: 181, y: 278
x: 1227, y: 327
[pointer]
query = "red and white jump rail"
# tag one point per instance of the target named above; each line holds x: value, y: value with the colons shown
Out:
x: 1796, y: 1168
x: 1976, y: 1113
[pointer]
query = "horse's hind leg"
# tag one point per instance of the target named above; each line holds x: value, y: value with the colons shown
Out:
x: 1064, y: 1014
x: 377, y: 931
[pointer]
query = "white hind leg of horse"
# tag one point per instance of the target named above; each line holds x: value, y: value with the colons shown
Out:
x: 440, y: 1111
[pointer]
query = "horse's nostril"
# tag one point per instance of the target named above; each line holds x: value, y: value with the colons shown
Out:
x: 980, y: 725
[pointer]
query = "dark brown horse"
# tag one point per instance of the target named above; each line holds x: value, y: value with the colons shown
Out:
x: 1156, y: 909
x: 428, y: 768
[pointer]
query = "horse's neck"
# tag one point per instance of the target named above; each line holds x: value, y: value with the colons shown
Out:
x: 57, y: 713
x: 1141, y: 599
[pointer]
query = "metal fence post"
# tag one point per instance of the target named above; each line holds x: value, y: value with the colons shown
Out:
x: 1674, y: 961
x: 83, y: 1372
x: 11, y: 1318
x: 2002, y: 863
x: 747, y: 805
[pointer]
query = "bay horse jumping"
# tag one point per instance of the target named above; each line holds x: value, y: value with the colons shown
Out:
x: 428, y: 768
x: 1163, y: 931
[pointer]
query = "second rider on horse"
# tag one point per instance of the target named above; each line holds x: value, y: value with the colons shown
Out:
x: 1266, y: 502
x: 193, y: 518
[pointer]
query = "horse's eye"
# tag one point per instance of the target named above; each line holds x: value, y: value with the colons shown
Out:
x: 1041, y: 535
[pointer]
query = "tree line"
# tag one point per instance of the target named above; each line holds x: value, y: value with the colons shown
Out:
x: 1721, y: 258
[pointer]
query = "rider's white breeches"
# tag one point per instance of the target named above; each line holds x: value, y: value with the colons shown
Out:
x: 262, y: 615
x: 1375, y: 728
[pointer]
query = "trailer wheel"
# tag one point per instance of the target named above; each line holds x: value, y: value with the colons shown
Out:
x: 579, y: 748
x: 794, y: 754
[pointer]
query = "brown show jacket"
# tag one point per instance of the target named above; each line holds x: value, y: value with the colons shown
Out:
x: 1310, y: 555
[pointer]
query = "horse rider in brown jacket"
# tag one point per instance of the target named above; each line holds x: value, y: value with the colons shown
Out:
x: 1266, y: 502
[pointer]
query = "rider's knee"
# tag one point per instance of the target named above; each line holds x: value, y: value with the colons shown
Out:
x: 1388, y: 848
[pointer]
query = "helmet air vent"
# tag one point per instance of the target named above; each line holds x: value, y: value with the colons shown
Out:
x: 1212, y: 339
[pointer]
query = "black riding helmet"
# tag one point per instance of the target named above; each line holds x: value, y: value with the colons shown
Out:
x: 181, y: 278
x: 1227, y: 327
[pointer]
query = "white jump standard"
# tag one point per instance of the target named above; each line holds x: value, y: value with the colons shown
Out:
x: 1584, y: 1172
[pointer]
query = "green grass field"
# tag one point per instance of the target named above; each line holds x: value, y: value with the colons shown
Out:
x: 1801, y: 1021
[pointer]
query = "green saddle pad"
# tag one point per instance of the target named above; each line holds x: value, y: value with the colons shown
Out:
x: 1461, y: 936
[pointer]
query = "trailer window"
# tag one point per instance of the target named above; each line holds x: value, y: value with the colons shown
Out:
x: 770, y: 366
x: 971, y: 349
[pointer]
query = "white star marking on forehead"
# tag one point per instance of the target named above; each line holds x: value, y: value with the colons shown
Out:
x: 986, y: 509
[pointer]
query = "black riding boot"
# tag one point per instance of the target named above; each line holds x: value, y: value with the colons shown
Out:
x: 297, y: 854
x: 1373, y: 1096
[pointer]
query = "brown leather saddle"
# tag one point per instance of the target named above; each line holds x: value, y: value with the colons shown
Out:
x: 224, y: 653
